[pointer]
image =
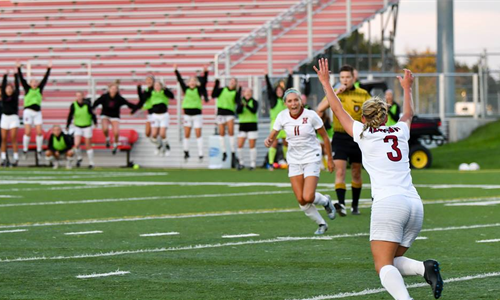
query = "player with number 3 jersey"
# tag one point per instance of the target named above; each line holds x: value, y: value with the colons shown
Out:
x: 397, y: 210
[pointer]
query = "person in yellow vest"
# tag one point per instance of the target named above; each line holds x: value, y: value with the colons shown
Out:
x: 393, y: 111
x: 160, y: 98
x: 247, y: 111
x: 150, y: 80
x: 226, y: 107
x: 276, y: 105
x: 32, y: 114
x: 194, y: 91
x: 59, y: 144
x: 111, y: 103
x: 344, y: 148
x: 80, y: 112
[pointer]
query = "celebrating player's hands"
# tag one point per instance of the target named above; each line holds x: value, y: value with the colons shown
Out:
x: 323, y: 72
x: 407, y: 81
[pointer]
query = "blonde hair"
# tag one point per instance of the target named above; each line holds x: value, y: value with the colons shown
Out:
x: 375, y: 113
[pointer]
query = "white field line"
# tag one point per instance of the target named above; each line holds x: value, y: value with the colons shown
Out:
x: 161, y: 217
x: 234, y: 236
x: 159, y: 234
x: 488, y: 241
x: 9, y: 196
x: 94, y: 275
x: 156, y: 250
x: 219, y: 245
x: 83, y: 232
x: 96, y: 174
x: 411, y: 286
x: 475, y: 203
x: 58, y: 188
x: 13, y: 231
x: 422, y: 238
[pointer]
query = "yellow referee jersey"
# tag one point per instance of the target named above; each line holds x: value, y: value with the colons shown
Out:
x: 352, y: 101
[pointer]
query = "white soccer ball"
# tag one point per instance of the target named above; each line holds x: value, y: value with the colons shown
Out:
x: 464, y: 167
x: 474, y: 166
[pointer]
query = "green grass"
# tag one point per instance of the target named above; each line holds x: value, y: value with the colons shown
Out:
x: 269, y: 270
x: 482, y: 147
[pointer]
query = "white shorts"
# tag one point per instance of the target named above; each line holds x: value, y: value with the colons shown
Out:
x: 396, y: 219
x: 110, y: 118
x: 31, y: 117
x: 160, y: 120
x: 149, y: 118
x: 9, y: 122
x: 251, y: 135
x: 309, y: 169
x: 195, y: 121
x: 223, y: 119
x: 86, y: 132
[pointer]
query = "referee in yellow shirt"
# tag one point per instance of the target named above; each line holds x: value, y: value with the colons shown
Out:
x: 344, y: 148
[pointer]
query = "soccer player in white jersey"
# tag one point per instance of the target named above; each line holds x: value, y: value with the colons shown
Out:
x: 397, y: 210
x: 304, y: 156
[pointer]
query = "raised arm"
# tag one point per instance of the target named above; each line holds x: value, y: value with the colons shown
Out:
x: 98, y: 102
x: 407, y: 83
x: 217, y: 90
x: 179, y: 79
x: 255, y: 106
x: 289, y: 80
x: 25, y: 84
x: 16, y: 83
x: 271, y: 93
x: 167, y: 92
x: 46, y: 77
x: 324, y: 77
x: 4, y: 83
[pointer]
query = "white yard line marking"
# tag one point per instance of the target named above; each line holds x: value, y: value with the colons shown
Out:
x: 94, y: 275
x: 13, y: 231
x: 411, y: 286
x: 161, y: 217
x: 239, y: 235
x: 83, y: 232
x: 488, y: 241
x: 422, y: 238
x: 9, y: 196
x: 219, y: 245
x: 84, y: 173
x: 475, y: 203
x: 156, y: 250
x: 159, y: 234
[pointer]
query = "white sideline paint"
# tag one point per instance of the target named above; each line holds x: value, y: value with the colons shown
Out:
x: 411, y: 286
x: 83, y: 173
x: 9, y: 196
x: 156, y: 250
x: 13, y: 231
x: 239, y: 235
x: 94, y: 275
x: 488, y: 241
x: 159, y: 234
x: 83, y: 232
x: 475, y: 203
x: 422, y: 238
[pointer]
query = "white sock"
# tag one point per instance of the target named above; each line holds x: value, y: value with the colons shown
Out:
x: 4, y: 156
x: 408, y: 266
x: 185, y: 144
x: 320, y: 199
x: 39, y: 143
x: 78, y: 152
x: 26, y: 142
x: 312, y: 212
x: 222, y: 144
x: 49, y: 158
x: 393, y: 282
x: 199, y: 142
x: 16, y: 156
x: 107, y: 139
x: 253, y: 157
x: 69, y: 161
x: 115, y: 144
x: 90, y: 154
x: 232, y: 143
x: 240, y: 155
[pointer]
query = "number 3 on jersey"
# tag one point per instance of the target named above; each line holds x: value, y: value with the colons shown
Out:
x: 391, y: 155
x: 296, y: 130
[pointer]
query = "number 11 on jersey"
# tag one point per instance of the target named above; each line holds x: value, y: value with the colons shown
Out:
x: 296, y: 130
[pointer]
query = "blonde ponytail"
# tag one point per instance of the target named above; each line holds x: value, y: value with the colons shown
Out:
x: 375, y: 113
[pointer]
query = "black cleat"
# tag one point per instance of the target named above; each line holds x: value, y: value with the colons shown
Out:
x: 234, y: 161
x: 433, y: 277
x: 355, y: 211
x: 15, y: 163
x: 251, y: 168
x: 186, y: 155
x: 340, y: 208
x: 200, y: 158
x: 5, y: 163
x: 240, y: 167
x: 79, y: 162
x: 224, y: 156
x: 115, y: 149
x: 91, y: 167
x: 108, y: 144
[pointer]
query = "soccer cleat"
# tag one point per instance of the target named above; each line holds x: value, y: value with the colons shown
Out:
x: 433, y: 277
x: 251, y: 168
x: 330, y: 208
x: 166, y: 150
x: 91, y: 167
x: 355, y: 211
x: 186, y: 155
x: 5, y: 163
x: 108, y: 144
x: 15, y: 163
x: 340, y: 209
x: 321, y: 229
x: 79, y: 162
x: 240, y: 167
x: 115, y: 149
x: 224, y: 156
x: 25, y: 155
x: 200, y: 158
x: 234, y: 161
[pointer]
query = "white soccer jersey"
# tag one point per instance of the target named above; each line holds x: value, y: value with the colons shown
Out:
x: 303, y: 146
x: 386, y: 158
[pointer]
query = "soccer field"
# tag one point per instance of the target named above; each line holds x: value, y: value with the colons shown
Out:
x: 204, y: 234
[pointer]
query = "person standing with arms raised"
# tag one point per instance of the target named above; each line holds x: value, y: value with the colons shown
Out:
x: 10, y: 118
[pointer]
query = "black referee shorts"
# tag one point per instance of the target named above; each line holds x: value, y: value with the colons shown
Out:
x: 345, y: 148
